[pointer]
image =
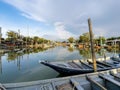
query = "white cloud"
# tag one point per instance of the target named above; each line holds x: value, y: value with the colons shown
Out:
x: 33, y: 17
x: 72, y: 14
x: 53, y: 11
x: 34, y: 9
x: 61, y: 31
x: 100, y: 32
x: 51, y: 37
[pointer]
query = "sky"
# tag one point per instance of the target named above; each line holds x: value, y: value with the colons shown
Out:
x: 60, y: 19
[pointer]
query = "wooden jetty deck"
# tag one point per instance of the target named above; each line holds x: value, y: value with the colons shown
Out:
x: 105, y: 80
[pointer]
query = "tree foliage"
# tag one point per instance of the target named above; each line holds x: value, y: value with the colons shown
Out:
x: 84, y: 38
x: 12, y: 35
x: 100, y: 40
x: 71, y: 40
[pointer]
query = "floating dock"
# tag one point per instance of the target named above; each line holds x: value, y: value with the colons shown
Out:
x: 105, y: 80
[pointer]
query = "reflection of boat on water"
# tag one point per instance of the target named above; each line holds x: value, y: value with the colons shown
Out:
x: 21, y: 51
x: 116, y: 58
x: 105, y: 80
x: 82, y: 66
x: 16, y: 50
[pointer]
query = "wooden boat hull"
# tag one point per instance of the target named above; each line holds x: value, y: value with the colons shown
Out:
x: 105, y: 80
x: 71, y: 71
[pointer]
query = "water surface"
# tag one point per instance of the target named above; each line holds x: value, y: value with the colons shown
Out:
x: 23, y: 67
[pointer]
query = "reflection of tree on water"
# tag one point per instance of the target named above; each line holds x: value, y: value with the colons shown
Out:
x: 17, y: 57
x: 71, y: 49
x: 85, y: 53
x: 36, y: 50
x: 101, y: 52
x: 0, y: 65
x: 114, y: 51
x: 18, y: 61
x: 13, y: 56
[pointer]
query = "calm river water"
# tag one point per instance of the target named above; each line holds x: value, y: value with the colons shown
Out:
x: 23, y: 67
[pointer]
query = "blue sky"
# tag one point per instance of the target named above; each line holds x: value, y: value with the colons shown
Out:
x: 60, y: 19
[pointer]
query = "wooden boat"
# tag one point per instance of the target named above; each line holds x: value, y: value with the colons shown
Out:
x: 104, y: 80
x: 116, y: 58
x: 81, y: 66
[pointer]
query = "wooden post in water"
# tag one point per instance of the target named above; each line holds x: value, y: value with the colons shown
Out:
x: 92, y: 45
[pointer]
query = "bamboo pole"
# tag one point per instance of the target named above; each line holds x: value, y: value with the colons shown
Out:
x: 92, y: 45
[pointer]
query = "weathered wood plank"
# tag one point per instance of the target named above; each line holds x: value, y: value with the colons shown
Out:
x: 78, y: 64
x: 95, y: 85
x: 76, y: 84
x: 105, y: 64
x: 90, y: 67
x: 2, y: 87
x: 110, y: 83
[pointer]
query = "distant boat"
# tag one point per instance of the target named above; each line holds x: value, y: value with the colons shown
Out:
x: 16, y: 50
x: 116, y: 59
x: 21, y: 51
x: 81, y: 66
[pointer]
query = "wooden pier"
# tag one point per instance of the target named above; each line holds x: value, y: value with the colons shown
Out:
x: 105, y: 80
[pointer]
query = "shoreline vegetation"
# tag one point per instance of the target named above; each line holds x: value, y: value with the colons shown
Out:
x: 15, y: 40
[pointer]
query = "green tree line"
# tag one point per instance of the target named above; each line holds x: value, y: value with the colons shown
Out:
x: 85, y: 39
x: 14, y: 37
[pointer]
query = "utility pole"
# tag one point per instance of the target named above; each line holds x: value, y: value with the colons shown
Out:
x: 27, y: 37
x: 92, y: 45
x: 18, y: 38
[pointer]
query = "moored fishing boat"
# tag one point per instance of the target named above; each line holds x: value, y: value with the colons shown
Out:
x: 81, y: 66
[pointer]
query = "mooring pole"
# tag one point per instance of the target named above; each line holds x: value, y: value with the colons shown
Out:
x: 92, y: 45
